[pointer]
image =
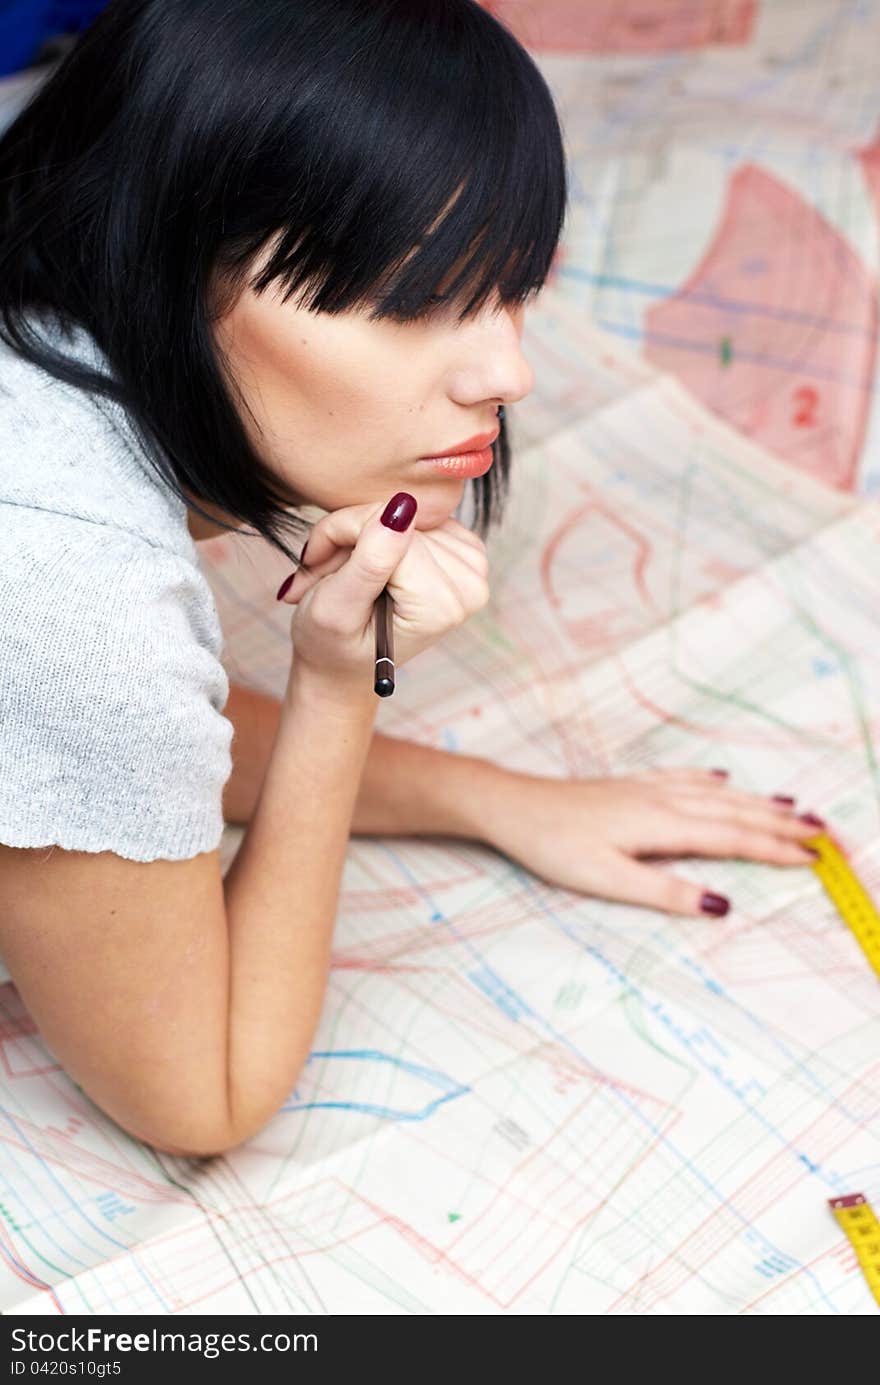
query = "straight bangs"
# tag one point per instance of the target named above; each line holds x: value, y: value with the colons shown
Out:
x: 457, y: 163
x: 392, y: 154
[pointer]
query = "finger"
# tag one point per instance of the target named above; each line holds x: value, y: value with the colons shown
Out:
x: 454, y: 570
x: 341, y: 527
x: 448, y: 571
x: 699, y: 778
x: 755, y: 813
x: 306, y: 577
x: 438, y: 557
x: 330, y: 543
x: 701, y: 782
x: 350, y: 593
x: 690, y: 835
x: 628, y: 881
x: 475, y: 558
x: 461, y: 531
x: 338, y: 529
x: 717, y: 782
x: 723, y: 793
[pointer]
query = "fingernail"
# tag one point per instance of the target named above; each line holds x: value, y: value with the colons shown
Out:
x: 714, y: 904
x: 783, y: 798
x: 812, y: 850
x: 720, y: 774
x: 812, y: 819
x: 400, y: 511
x: 285, y: 586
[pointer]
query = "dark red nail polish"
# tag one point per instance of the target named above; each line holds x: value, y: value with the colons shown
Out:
x: 783, y: 798
x: 285, y: 586
x: 400, y: 511
x: 812, y: 850
x: 720, y: 773
x: 714, y: 904
x: 812, y: 819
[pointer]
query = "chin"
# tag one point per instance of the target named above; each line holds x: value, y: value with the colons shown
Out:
x: 436, y: 509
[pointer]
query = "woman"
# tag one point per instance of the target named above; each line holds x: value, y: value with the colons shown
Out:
x: 256, y: 257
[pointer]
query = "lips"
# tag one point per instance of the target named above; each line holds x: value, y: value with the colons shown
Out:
x: 462, y: 465
x: 475, y: 444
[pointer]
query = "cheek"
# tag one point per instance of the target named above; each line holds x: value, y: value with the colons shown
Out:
x: 330, y: 363
x: 276, y: 343
x: 334, y: 382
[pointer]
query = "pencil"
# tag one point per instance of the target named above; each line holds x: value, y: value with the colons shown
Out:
x: 383, y: 609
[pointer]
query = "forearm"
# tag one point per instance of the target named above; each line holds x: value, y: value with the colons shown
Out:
x: 281, y: 893
x: 254, y: 717
x: 411, y: 790
x: 405, y: 790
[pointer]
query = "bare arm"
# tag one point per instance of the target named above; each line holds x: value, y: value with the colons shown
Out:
x: 255, y: 717
x: 182, y: 1003
x: 406, y: 789
x: 281, y: 892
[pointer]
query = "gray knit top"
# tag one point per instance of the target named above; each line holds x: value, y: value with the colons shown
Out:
x: 112, y: 733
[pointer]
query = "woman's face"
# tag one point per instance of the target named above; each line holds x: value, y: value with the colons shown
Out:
x: 342, y: 408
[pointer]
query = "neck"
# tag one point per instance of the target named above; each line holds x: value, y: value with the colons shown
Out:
x: 201, y: 528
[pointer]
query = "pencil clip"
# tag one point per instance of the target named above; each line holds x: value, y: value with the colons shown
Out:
x: 384, y: 682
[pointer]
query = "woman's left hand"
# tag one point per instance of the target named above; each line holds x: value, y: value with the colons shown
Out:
x: 586, y: 834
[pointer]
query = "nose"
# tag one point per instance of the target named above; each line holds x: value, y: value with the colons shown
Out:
x: 491, y: 363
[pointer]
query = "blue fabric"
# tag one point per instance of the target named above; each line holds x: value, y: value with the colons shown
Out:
x: 22, y: 30
x: 26, y: 24
x: 69, y: 16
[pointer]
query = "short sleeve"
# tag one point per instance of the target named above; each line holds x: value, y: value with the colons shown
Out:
x: 112, y: 734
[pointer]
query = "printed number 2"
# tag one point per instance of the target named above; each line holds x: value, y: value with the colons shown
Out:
x: 806, y: 401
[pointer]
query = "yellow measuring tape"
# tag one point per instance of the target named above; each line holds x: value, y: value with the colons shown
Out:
x: 854, y: 1213
x: 858, y: 1219
x: 849, y: 895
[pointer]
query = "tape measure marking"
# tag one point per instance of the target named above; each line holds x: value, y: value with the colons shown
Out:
x: 849, y: 896
x: 853, y: 1213
x: 856, y: 1216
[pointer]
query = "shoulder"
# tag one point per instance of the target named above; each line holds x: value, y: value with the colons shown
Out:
x: 111, y: 692
x: 99, y: 579
x: 34, y: 404
x: 66, y: 449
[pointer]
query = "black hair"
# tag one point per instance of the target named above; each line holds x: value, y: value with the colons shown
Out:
x: 178, y: 139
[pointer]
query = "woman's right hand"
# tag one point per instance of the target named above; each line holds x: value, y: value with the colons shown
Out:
x: 436, y: 578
